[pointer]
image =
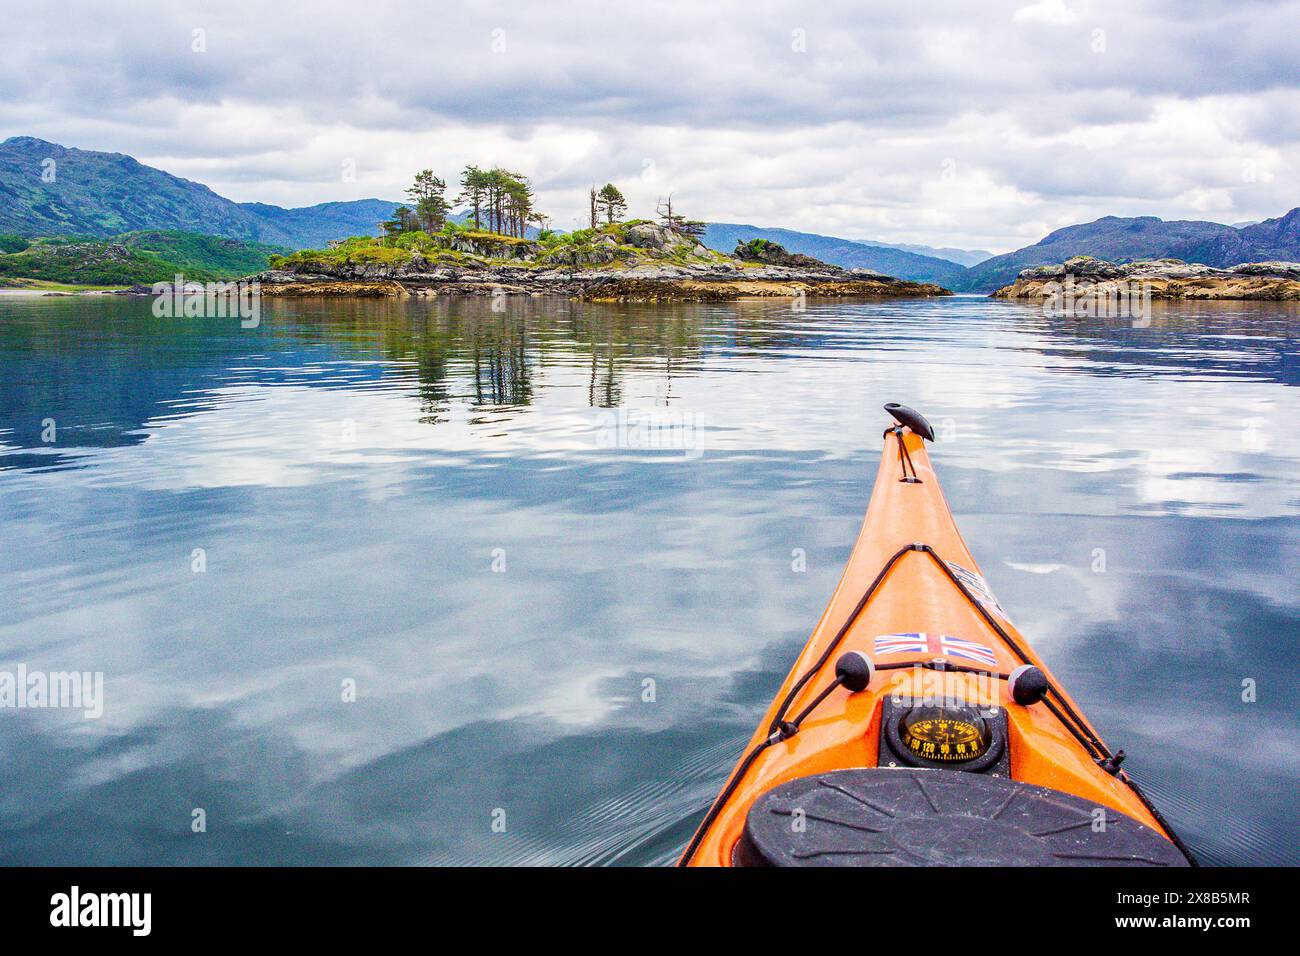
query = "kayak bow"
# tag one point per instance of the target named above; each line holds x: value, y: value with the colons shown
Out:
x: 918, y: 727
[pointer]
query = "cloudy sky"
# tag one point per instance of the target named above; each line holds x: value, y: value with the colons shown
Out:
x: 948, y: 122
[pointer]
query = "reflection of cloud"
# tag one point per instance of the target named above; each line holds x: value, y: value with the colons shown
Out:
x: 348, y: 538
x: 1032, y: 568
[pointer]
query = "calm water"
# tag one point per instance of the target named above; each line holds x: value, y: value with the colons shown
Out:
x: 444, y: 506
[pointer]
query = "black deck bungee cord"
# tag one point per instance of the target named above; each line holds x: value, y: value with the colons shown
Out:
x: 780, y: 729
x: 839, y: 636
x: 1076, y: 725
x: 904, y: 457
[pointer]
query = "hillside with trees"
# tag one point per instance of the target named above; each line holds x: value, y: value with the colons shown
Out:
x: 52, y: 190
x: 133, y: 258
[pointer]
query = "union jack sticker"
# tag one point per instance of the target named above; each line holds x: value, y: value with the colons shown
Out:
x: 940, y: 644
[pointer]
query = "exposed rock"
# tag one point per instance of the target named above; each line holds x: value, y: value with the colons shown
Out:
x: 493, y: 247
x: 700, y: 290
x: 334, y: 289
x: 1272, y: 270
x: 1158, y: 278
x: 650, y: 235
x: 281, y: 277
x: 643, y: 261
x: 599, y: 253
x: 648, y: 282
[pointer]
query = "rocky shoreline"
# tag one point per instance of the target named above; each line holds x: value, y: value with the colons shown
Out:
x: 644, y: 283
x: 1158, y: 279
x: 617, y: 262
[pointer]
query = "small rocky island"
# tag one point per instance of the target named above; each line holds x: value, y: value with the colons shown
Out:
x: 636, y: 261
x: 1160, y: 278
x: 502, y: 245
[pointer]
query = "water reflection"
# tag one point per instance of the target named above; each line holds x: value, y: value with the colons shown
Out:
x: 351, y: 470
x: 108, y: 379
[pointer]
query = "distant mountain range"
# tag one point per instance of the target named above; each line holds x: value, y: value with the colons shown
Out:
x: 310, y: 227
x: 1146, y: 237
x: 105, y: 194
x: 51, y: 190
x: 1113, y: 238
x: 963, y: 257
x: 890, y: 260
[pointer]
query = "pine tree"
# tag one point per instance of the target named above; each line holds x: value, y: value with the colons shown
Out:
x: 402, y: 221
x: 612, y: 202
x: 473, y: 184
x: 519, y: 203
x: 431, y: 206
x: 495, y: 199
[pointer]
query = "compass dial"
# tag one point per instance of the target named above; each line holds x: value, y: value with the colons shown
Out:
x: 945, y: 734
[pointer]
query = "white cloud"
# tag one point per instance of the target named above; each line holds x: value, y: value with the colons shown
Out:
x: 904, y: 125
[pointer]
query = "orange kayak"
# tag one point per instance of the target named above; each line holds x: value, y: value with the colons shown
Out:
x: 918, y: 727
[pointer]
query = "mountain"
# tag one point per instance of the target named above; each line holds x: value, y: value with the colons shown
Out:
x: 1112, y: 238
x: 1272, y: 240
x: 1117, y: 239
x: 48, y: 190
x: 312, y: 226
x: 130, y: 258
x: 963, y: 257
x: 51, y: 190
x: 102, y: 194
x: 723, y: 236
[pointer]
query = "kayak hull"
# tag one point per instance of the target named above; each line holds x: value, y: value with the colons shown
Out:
x: 925, y: 618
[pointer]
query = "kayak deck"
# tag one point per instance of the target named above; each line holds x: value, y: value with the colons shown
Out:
x: 912, y: 601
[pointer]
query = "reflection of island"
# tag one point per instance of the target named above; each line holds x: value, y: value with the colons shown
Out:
x: 115, y: 386
x: 466, y: 350
x: 103, y: 389
x: 1178, y: 338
